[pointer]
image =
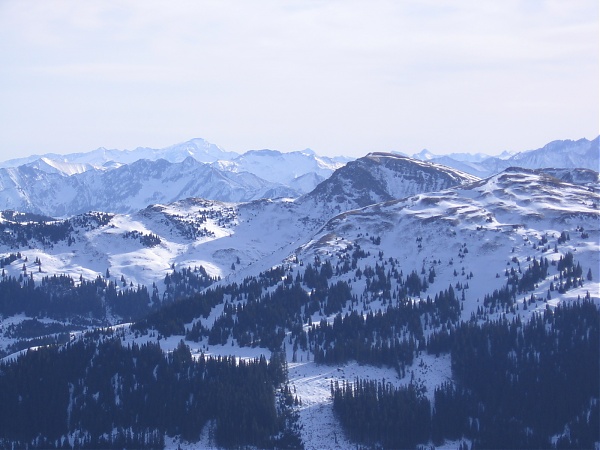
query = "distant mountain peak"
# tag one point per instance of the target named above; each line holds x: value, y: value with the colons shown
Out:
x: 424, y: 155
x: 506, y: 154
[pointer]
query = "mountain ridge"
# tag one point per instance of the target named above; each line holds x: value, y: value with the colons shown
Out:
x: 565, y: 154
x: 380, y: 177
x: 198, y: 148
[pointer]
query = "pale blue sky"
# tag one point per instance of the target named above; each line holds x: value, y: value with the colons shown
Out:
x: 341, y: 77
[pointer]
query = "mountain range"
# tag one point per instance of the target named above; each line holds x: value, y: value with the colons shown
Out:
x: 128, y: 187
x: 125, y: 181
x: 566, y: 154
x: 112, y: 180
x: 387, y: 269
x: 197, y: 148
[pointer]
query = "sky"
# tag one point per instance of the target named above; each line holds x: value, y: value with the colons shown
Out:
x: 341, y: 77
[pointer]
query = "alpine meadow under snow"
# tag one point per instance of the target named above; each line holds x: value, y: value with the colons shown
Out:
x: 190, y: 297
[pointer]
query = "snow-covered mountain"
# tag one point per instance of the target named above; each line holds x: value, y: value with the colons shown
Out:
x: 471, y: 163
x: 514, y: 203
x: 61, y: 168
x: 380, y: 177
x: 127, y: 188
x: 199, y: 149
x: 260, y: 173
x: 580, y: 154
x: 566, y: 154
x: 515, y: 215
x: 426, y: 155
x: 303, y: 169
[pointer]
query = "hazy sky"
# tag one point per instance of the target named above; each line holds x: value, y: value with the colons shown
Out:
x: 341, y: 77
